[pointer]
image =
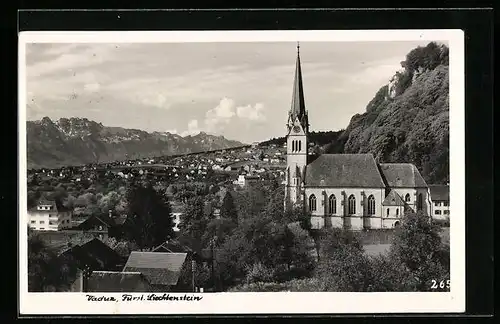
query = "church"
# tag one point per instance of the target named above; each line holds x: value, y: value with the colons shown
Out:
x: 351, y: 191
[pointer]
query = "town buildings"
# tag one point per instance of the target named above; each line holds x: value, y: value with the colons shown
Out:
x: 346, y: 190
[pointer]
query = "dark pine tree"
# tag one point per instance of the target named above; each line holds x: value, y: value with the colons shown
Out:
x: 150, y: 220
x: 228, y: 209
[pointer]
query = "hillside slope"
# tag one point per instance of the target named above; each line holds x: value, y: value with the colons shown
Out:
x: 408, y: 119
x: 77, y: 141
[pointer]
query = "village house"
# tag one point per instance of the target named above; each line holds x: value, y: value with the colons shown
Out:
x: 49, y: 215
x: 113, y: 282
x: 103, y: 226
x: 161, y: 270
x: 440, y: 197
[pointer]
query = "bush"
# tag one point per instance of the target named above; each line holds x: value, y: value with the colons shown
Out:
x: 303, y: 285
x: 259, y: 287
x: 259, y: 273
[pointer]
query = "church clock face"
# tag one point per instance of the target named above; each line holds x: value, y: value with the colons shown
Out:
x: 296, y: 129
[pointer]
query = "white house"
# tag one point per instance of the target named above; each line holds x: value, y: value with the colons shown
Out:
x: 177, y: 211
x: 49, y: 216
x: 440, y: 197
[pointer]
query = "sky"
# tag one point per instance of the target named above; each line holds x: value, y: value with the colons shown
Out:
x: 242, y: 91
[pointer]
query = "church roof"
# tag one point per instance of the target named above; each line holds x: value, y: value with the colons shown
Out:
x: 344, y: 170
x: 402, y: 175
x: 393, y: 199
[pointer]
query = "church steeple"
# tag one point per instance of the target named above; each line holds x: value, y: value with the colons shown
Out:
x: 296, y: 141
x: 298, y: 108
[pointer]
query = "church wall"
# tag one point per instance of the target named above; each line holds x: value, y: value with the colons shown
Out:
x: 341, y: 218
x: 390, y: 222
x: 323, y: 194
x: 413, y: 197
x: 372, y: 222
x: 353, y: 222
x: 317, y: 222
x: 395, y: 214
x: 427, y: 200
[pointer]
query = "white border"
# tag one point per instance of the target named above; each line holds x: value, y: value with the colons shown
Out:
x: 237, y: 303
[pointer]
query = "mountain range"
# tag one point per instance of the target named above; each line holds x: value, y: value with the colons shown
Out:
x: 79, y: 141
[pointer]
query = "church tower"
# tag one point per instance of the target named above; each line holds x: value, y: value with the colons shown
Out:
x: 297, y: 129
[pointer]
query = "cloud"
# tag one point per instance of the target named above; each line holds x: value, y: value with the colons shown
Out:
x: 250, y: 112
x: 221, y: 114
x: 193, y: 128
x: 171, y: 131
x: 92, y: 87
x: 227, y: 112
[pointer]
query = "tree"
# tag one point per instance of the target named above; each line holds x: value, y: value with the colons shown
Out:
x: 417, y: 246
x: 343, y: 266
x: 193, y: 222
x: 122, y: 247
x: 149, y: 221
x: 228, y: 209
x: 47, y: 272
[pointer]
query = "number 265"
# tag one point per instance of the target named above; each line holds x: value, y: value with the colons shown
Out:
x: 441, y: 284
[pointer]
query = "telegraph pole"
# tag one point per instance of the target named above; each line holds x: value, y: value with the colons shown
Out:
x: 213, y: 261
x: 193, y: 269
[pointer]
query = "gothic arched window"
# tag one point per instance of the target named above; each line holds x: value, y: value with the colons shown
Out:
x: 293, y: 146
x: 420, y: 202
x: 387, y: 212
x: 407, y: 197
x: 312, y: 203
x: 332, y: 205
x: 371, y: 205
x: 352, y: 205
x: 300, y: 146
x: 397, y: 212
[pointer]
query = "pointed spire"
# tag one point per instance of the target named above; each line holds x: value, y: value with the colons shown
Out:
x: 298, y: 108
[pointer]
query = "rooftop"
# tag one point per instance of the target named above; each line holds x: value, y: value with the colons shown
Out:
x: 402, y: 175
x: 344, y: 170
x: 393, y: 199
x: 440, y: 192
x: 159, y: 268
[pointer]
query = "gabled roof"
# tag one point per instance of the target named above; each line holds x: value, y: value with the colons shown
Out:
x: 104, y: 220
x: 402, y: 175
x: 393, y: 199
x: 344, y: 170
x: 172, y: 246
x: 157, y: 267
x: 56, y: 206
x: 113, y: 281
x: 95, y: 254
x: 440, y: 192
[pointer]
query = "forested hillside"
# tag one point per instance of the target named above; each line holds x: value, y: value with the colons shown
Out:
x: 408, y: 119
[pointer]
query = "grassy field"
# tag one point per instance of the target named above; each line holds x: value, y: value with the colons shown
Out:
x: 379, y: 241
